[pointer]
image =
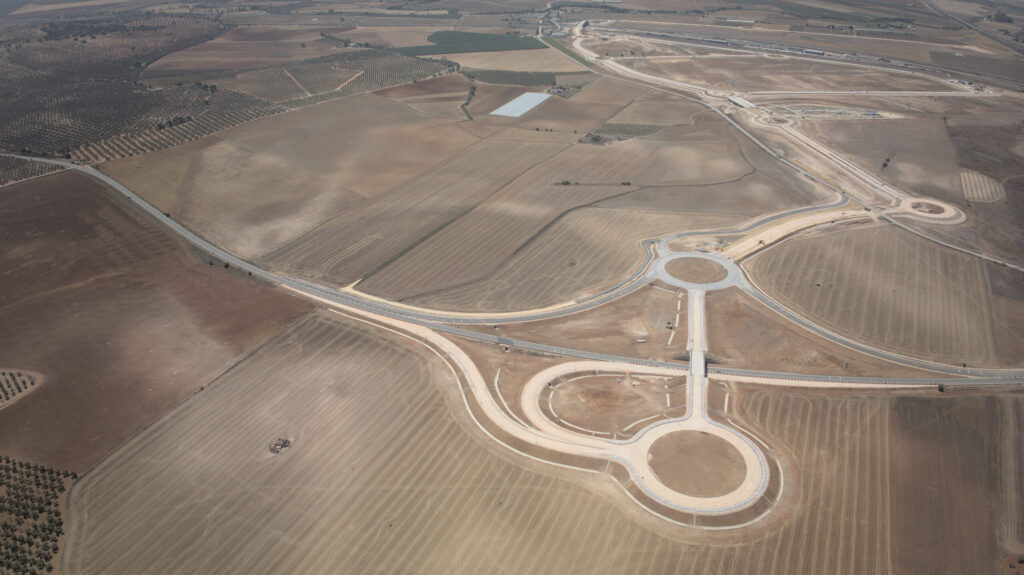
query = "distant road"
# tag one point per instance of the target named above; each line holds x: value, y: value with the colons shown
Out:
x: 440, y: 322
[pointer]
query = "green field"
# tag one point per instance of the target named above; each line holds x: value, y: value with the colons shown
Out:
x: 452, y: 42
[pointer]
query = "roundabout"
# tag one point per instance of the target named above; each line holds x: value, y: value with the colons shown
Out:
x: 697, y: 463
x: 696, y: 271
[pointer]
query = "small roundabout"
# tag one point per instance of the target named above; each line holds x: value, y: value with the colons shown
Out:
x: 684, y: 463
x: 697, y: 463
x: 697, y: 271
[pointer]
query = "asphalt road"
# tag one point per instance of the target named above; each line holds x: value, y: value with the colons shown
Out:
x: 443, y: 323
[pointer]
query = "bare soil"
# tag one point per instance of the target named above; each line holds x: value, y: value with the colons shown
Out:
x: 892, y: 289
x: 251, y: 47
x: 123, y: 321
x: 766, y: 73
x: 614, y: 328
x: 616, y: 404
x: 257, y: 187
x: 697, y: 463
x: 696, y: 270
x: 745, y: 334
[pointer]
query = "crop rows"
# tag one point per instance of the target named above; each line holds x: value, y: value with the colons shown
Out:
x: 887, y: 288
x: 14, y: 170
x: 30, y: 518
x: 380, y: 70
x: 226, y: 109
x: 567, y: 260
x: 77, y: 82
x: 13, y: 383
x: 359, y: 240
x: 113, y: 55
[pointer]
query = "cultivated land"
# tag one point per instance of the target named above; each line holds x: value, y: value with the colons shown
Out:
x: 81, y: 269
x: 893, y: 289
x: 253, y: 46
x: 547, y: 60
x: 743, y: 333
x: 917, y: 153
x: 759, y: 73
x: 851, y: 487
x: 283, y: 177
x: 605, y: 336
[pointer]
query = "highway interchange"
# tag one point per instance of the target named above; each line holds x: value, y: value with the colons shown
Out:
x: 633, y: 453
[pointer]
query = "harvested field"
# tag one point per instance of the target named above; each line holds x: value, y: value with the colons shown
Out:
x: 1011, y: 459
x: 993, y: 144
x: 546, y: 60
x: 454, y: 503
x: 917, y: 153
x: 894, y: 290
x: 252, y: 47
x: 877, y: 486
x: 931, y: 489
x: 390, y: 36
x: 658, y: 112
x: 696, y: 270
x: 613, y: 405
x: 584, y: 253
x: 771, y: 73
x: 610, y: 91
x: 697, y: 463
x: 493, y: 231
x: 978, y: 187
x: 371, y: 469
x: 257, y: 187
x: 744, y: 334
x: 359, y: 241
x: 80, y: 269
x: 442, y: 96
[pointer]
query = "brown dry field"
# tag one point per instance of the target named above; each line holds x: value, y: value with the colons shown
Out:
x: 478, y: 242
x: 392, y: 476
x: 614, y: 404
x: 696, y: 270
x: 658, y: 109
x: 892, y: 289
x: 922, y: 159
x: 255, y: 188
x: 441, y: 96
x: 633, y: 46
x: 253, y: 46
x: 979, y: 51
x: 476, y: 246
x: 546, y: 60
x: 1011, y: 460
x: 614, y: 327
x: 882, y: 476
x: 357, y: 242
x: 992, y: 143
x: 744, y: 334
x: 584, y: 253
x: 697, y: 463
x: 767, y: 73
x: 123, y: 321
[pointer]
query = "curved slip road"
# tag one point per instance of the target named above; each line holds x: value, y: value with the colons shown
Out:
x: 441, y: 322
